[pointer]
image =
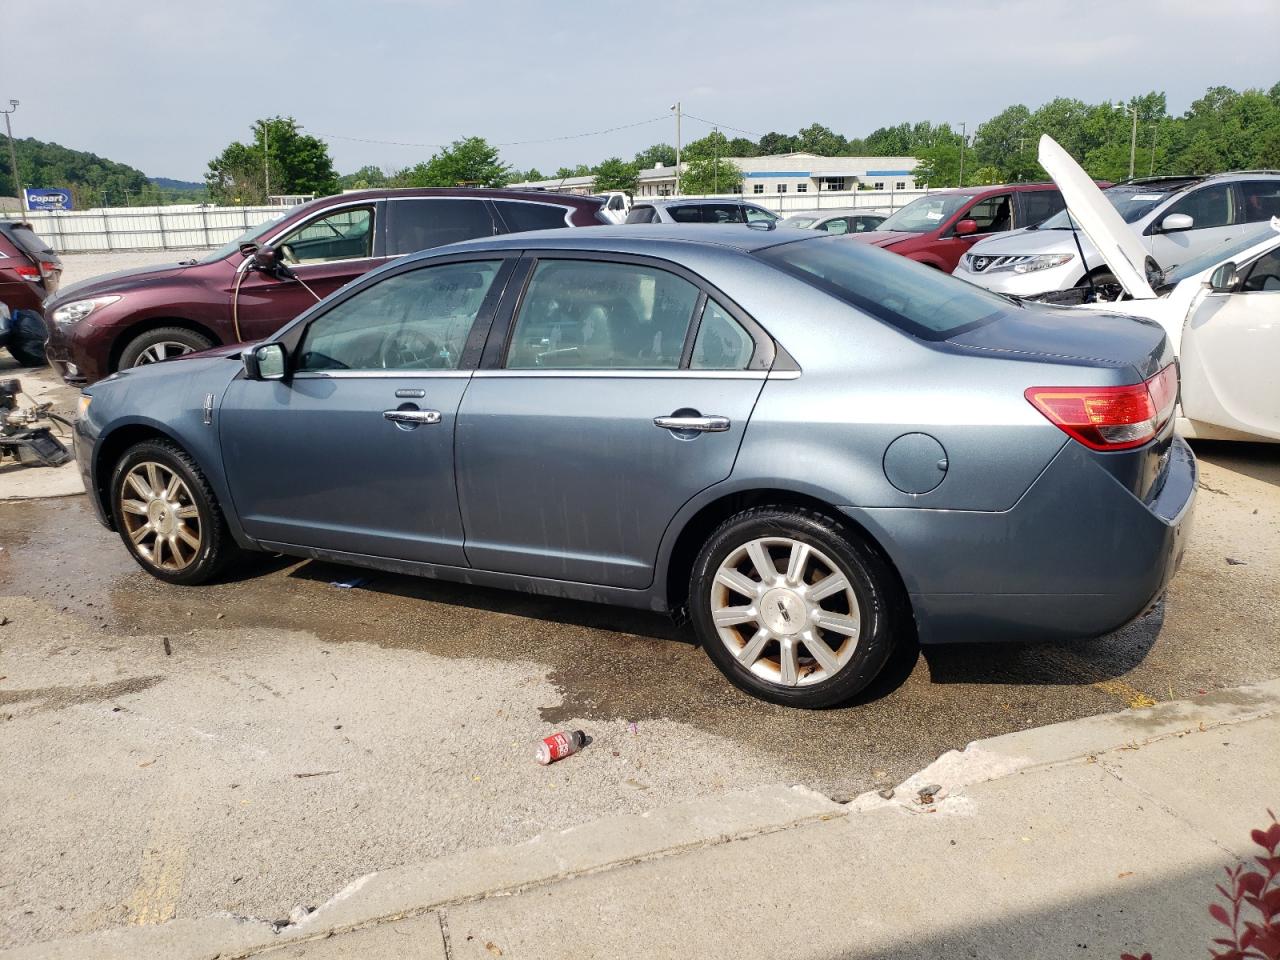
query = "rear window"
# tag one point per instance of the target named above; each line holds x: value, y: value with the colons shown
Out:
x: 640, y: 215
x: 28, y: 242
x: 919, y: 300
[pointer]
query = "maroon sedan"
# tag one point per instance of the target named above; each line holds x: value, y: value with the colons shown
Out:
x: 937, y: 229
x: 237, y: 293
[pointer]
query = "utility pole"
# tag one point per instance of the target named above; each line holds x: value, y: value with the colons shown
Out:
x: 1152, y: 171
x: 964, y: 139
x: 676, y: 107
x: 266, y: 157
x: 13, y: 156
x: 715, y: 160
x: 1133, y: 138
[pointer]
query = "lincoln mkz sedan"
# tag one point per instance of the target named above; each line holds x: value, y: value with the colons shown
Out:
x: 815, y: 449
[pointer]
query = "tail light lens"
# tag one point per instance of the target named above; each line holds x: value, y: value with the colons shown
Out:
x: 1110, y: 418
x: 48, y: 268
x: 27, y: 272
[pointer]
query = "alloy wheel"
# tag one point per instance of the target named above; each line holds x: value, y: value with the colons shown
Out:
x: 785, y: 611
x: 160, y: 516
x: 162, y: 350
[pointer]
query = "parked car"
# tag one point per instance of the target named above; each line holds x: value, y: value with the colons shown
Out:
x: 699, y: 211
x: 818, y: 450
x: 127, y: 320
x: 937, y: 229
x: 1221, y: 311
x: 29, y: 272
x: 1177, y: 219
x: 847, y: 220
x: 616, y: 205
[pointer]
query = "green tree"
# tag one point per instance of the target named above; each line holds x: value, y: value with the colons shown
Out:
x: 366, y: 178
x: 616, y: 174
x: 471, y: 162
x: 662, y: 153
x: 821, y: 140
x: 581, y: 170
x: 773, y: 143
x: 296, y: 163
x: 710, y: 175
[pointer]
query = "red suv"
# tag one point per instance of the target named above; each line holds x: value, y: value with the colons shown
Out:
x: 939, y: 228
x: 29, y: 272
x: 239, y: 293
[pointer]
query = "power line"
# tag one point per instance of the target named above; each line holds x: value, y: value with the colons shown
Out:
x: 512, y: 143
x: 714, y: 123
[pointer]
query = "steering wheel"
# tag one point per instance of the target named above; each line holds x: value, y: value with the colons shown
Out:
x: 407, y: 349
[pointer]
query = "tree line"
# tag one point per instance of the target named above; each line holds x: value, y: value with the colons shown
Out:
x: 93, y: 180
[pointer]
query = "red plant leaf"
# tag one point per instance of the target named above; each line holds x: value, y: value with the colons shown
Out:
x: 1272, y: 839
x: 1269, y: 864
x: 1251, y: 882
x: 1218, y: 913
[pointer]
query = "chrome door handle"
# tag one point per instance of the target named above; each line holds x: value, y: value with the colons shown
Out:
x: 412, y: 416
x: 698, y: 424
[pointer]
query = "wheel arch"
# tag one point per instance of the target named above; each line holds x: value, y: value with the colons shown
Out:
x: 131, y: 333
x: 693, y: 532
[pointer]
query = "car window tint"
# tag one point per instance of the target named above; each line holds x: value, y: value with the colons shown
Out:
x: 688, y: 213
x: 531, y: 216
x: 417, y: 320
x: 1039, y: 205
x: 419, y: 224
x: 865, y: 224
x: 1261, y: 199
x: 581, y: 314
x: 915, y: 298
x: 721, y: 213
x: 992, y: 214
x: 756, y: 215
x: 640, y: 215
x: 1208, y: 207
x: 721, y: 343
x: 342, y: 235
x: 1264, y: 274
x: 838, y: 225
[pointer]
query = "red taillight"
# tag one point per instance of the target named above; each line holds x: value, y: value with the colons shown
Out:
x: 1110, y: 418
x: 27, y: 272
x: 48, y: 268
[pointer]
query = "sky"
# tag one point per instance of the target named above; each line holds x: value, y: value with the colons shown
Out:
x: 164, y: 87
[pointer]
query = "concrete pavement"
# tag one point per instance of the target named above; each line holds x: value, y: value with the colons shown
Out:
x: 1086, y: 838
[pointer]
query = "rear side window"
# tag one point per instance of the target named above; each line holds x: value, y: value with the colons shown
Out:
x: 641, y: 215
x: 919, y: 300
x: 419, y: 224
x: 686, y: 214
x: 1260, y: 200
x: 838, y: 225
x: 1039, y: 205
x: 579, y: 314
x: 531, y: 216
x: 721, y: 343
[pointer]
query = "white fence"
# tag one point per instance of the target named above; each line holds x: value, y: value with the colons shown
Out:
x: 143, y: 228
x: 785, y: 203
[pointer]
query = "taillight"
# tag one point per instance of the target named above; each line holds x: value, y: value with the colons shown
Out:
x: 1110, y: 418
x: 48, y: 268
x: 27, y: 272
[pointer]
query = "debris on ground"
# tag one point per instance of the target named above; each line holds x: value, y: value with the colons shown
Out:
x: 168, y: 650
x: 1233, y: 562
x: 632, y: 727
x: 349, y: 583
x: 317, y: 773
x: 886, y: 794
x: 927, y: 793
x: 560, y: 745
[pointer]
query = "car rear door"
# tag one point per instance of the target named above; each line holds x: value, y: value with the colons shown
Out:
x: 1229, y: 353
x: 1036, y: 206
x: 353, y: 451
x: 614, y: 393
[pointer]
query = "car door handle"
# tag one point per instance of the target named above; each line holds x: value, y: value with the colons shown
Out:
x: 699, y: 424
x: 412, y: 416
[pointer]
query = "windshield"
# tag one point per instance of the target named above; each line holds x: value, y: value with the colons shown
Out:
x: 1219, y: 255
x: 253, y: 233
x: 914, y: 298
x: 1132, y: 203
x: 926, y: 213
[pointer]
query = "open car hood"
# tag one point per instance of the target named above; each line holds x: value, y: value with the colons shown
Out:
x: 1118, y: 245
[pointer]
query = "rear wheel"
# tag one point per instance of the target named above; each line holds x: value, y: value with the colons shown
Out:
x: 163, y: 343
x: 167, y: 516
x: 791, y: 607
x: 26, y: 339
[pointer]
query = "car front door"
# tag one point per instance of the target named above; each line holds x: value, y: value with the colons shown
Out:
x: 620, y: 391
x: 353, y: 451
x: 324, y: 253
x: 990, y: 214
x: 1230, y: 351
x: 1212, y: 209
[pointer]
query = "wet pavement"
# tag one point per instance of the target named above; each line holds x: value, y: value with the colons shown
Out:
x: 264, y: 740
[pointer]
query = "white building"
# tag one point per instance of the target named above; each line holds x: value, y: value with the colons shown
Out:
x: 784, y: 173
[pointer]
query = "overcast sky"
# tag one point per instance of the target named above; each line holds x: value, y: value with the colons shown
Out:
x: 165, y: 87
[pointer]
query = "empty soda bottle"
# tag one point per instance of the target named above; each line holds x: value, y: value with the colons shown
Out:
x: 560, y: 745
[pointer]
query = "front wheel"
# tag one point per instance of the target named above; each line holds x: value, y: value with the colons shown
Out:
x: 164, y: 343
x: 791, y: 607
x: 167, y: 516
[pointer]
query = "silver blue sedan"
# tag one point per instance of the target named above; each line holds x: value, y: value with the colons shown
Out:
x: 815, y: 449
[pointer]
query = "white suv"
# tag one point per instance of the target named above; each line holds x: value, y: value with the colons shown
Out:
x: 1178, y: 218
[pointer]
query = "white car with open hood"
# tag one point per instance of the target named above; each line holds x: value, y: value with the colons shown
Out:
x: 1221, y: 310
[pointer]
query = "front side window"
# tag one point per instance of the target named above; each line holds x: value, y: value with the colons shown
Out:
x: 420, y: 224
x: 580, y: 314
x: 838, y: 225
x: 864, y: 224
x: 342, y: 235
x: 758, y: 215
x: 721, y: 343
x: 537, y: 216
x: 926, y: 213
x: 1209, y: 206
x: 992, y: 214
x: 418, y: 320
x: 914, y: 298
x: 1264, y: 275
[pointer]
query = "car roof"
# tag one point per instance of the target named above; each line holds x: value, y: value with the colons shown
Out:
x: 492, y: 193
x: 994, y: 188
x: 836, y: 212
x: 683, y: 201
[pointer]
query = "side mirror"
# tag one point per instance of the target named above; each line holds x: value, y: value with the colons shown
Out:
x: 1176, y: 222
x: 264, y: 362
x: 266, y: 259
x: 1223, y: 280
x: 248, y: 249
x: 966, y: 227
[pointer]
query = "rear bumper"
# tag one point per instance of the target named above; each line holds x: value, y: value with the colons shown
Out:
x: 1078, y: 556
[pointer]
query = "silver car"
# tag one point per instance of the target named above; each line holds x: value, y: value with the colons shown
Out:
x: 1177, y: 219
x: 842, y: 220
x: 815, y: 449
x: 699, y: 211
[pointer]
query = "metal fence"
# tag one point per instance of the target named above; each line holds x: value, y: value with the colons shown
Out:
x: 143, y: 228
x: 784, y: 203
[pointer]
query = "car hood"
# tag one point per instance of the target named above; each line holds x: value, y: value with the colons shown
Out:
x: 1026, y: 242
x: 121, y: 280
x: 883, y: 238
x: 1116, y: 243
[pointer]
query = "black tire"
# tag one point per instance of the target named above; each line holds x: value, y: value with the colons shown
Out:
x: 871, y: 580
x: 135, y: 352
x: 216, y: 547
x: 26, y: 339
